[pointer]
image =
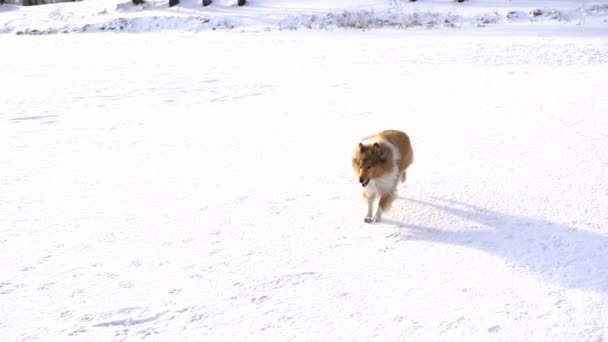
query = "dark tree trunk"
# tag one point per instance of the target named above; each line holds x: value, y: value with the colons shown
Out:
x: 206, y: 2
x: 241, y: 2
x: 137, y: 2
x: 173, y: 3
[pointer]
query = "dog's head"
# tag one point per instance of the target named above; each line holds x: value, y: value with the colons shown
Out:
x: 369, y: 161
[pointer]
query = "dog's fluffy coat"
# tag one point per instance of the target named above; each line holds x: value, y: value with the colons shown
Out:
x: 381, y: 161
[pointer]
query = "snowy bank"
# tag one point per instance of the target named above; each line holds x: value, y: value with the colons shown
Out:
x: 266, y: 15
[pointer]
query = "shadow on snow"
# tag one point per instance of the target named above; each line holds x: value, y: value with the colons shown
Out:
x: 558, y: 253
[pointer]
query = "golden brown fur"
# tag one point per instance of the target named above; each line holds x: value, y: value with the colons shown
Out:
x: 379, y: 160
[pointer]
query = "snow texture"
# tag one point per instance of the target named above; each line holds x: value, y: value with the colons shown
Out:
x: 197, y: 186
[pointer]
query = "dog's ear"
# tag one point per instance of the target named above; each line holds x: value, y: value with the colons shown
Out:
x: 380, y: 152
x: 361, y: 147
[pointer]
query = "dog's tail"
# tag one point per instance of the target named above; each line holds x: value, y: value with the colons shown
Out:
x: 409, y: 160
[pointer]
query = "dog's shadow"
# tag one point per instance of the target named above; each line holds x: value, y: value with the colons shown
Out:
x: 556, y: 252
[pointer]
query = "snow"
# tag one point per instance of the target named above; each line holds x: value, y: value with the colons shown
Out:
x: 197, y: 186
x: 272, y: 15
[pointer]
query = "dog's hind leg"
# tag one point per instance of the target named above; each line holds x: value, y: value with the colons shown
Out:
x: 403, y: 176
x: 384, y: 205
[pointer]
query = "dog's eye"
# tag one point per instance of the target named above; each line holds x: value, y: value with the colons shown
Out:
x: 369, y: 167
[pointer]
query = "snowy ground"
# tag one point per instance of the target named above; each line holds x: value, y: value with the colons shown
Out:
x: 186, y: 195
x: 197, y: 186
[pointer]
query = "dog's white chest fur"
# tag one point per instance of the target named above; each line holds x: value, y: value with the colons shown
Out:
x: 383, y: 185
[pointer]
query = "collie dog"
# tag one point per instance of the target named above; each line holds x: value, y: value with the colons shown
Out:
x: 381, y: 161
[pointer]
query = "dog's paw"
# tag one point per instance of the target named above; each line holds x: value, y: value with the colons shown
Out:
x: 376, y: 219
x: 367, y: 219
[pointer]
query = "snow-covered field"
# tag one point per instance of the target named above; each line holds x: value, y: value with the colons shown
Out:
x: 184, y: 186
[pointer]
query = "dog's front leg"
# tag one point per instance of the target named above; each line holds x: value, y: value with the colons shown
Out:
x: 370, y: 207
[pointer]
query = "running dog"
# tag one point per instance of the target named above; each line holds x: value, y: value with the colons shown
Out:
x: 381, y: 161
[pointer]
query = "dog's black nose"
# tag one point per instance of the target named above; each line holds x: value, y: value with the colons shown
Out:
x: 364, y: 182
x: 360, y: 179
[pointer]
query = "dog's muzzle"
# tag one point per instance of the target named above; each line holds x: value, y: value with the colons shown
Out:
x: 363, y: 182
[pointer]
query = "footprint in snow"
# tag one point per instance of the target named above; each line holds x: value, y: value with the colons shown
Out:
x: 126, y: 284
x: 135, y: 264
x: 494, y: 329
x: 260, y: 299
